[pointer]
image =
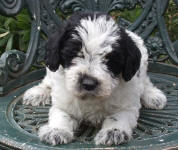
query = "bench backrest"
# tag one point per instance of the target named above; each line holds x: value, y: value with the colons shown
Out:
x: 18, y: 68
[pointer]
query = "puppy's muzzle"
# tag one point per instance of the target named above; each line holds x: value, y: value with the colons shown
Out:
x: 88, y: 83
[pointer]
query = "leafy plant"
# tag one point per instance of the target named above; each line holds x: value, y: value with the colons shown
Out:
x: 15, y: 32
x: 171, y: 17
x: 130, y: 15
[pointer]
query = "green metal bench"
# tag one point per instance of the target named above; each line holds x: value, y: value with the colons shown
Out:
x: 157, y: 129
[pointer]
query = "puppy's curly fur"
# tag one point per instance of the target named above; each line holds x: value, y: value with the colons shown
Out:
x: 96, y: 71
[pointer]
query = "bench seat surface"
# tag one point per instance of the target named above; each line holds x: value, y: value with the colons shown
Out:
x: 156, y: 128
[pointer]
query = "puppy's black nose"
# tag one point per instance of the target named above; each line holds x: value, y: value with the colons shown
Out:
x: 89, y: 83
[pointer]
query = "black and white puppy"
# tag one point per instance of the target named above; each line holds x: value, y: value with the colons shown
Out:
x: 96, y: 71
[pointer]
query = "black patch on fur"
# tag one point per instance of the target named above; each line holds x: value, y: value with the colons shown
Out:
x: 115, y: 60
x: 125, y: 57
x: 70, y: 51
x: 52, y: 56
x: 132, y: 56
x: 61, y: 48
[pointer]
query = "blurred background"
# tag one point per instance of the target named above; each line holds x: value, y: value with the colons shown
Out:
x: 15, y: 31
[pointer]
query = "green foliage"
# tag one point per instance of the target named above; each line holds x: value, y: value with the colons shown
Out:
x: 171, y: 17
x: 15, y: 32
x: 130, y: 15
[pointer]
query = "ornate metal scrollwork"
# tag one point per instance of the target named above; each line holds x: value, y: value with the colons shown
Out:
x: 34, y: 9
x: 10, y: 7
x: 15, y: 63
x: 156, y: 49
x: 160, y: 47
x: 45, y: 21
x: 164, y: 34
x: 50, y: 21
x: 96, y: 5
x: 10, y: 63
x: 3, y: 73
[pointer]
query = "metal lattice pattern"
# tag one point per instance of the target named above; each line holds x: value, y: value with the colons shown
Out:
x: 152, y: 123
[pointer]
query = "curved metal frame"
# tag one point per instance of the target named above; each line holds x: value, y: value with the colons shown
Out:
x: 11, y: 8
x: 39, y: 9
x: 164, y: 34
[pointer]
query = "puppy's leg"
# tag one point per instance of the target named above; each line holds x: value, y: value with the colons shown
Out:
x: 152, y: 97
x: 59, y: 129
x: 117, y: 128
x: 40, y: 94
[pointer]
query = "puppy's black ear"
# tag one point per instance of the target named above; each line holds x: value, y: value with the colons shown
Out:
x: 132, y: 55
x: 53, y: 46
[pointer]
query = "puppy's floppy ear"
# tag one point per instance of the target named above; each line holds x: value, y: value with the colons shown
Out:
x: 132, y: 55
x: 53, y: 46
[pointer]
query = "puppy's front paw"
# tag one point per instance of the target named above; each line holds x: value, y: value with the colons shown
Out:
x: 54, y: 136
x: 111, y: 137
x: 37, y: 96
x: 155, y: 100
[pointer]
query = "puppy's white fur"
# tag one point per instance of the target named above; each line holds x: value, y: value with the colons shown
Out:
x: 117, y: 103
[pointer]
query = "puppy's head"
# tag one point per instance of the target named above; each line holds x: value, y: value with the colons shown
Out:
x: 95, y: 54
